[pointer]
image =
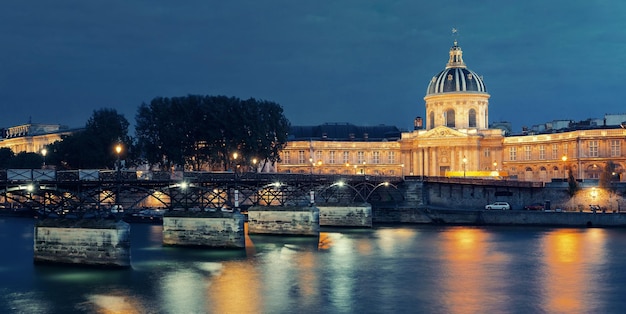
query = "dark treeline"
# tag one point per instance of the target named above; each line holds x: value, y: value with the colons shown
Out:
x: 201, y: 131
x: 197, y: 132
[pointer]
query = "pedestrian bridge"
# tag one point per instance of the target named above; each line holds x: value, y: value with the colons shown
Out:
x: 96, y: 191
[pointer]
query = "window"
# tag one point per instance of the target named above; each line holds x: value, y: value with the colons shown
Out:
x: 431, y: 119
x: 542, y: 152
x: 513, y: 153
x: 287, y: 159
x: 565, y: 149
x: 331, y: 157
x: 555, y: 151
x: 318, y: 156
x: 360, y: 157
x: 301, y: 159
x: 616, y: 148
x: 346, y: 157
x: 486, y: 152
x: 392, y: 157
x: 376, y: 157
x: 527, y: 152
x: 449, y: 115
x: 593, y: 148
x: 472, y: 118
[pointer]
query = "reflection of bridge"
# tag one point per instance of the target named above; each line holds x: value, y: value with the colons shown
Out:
x: 95, y: 190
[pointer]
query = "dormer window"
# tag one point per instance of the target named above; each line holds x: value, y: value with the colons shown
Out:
x: 449, y: 77
x: 470, y: 76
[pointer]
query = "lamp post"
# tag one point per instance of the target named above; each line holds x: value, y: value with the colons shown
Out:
x: 564, y: 158
x: 44, y: 152
x: 254, y: 161
x: 495, y: 166
x: 402, y: 166
x: 236, y: 192
x: 464, y: 163
x: 312, y: 164
x: 364, y: 168
x: 319, y: 166
x: 118, y: 150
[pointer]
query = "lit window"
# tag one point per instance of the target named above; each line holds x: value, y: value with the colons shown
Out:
x: 616, y: 148
x: 593, y: 148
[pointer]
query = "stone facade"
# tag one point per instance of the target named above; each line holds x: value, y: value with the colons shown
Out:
x: 219, y: 229
x: 292, y: 220
x: 82, y: 242
x: 346, y: 216
x: 457, y: 142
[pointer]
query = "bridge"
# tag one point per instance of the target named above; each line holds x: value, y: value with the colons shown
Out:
x: 79, y: 193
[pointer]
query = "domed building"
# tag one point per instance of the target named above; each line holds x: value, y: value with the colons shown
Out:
x: 456, y: 140
x: 457, y: 96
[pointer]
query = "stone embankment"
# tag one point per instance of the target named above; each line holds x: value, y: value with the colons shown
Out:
x: 424, y: 215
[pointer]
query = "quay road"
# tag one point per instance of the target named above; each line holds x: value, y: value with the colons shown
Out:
x: 92, y: 190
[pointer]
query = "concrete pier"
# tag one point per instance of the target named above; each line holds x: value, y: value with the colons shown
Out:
x: 207, y: 229
x: 356, y: 215
x: 292, y: 220
x: 88, y: 242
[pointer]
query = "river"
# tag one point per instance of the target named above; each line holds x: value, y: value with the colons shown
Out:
x: 386, y: 269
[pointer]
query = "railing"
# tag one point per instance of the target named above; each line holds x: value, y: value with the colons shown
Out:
x: 26, y: 175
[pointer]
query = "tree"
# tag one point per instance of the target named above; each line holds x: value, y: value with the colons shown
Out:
x: 572, y: 183
x: 92, y: 147
x: 206, y: 130
x: 6, y: 157
x: 607, y: 175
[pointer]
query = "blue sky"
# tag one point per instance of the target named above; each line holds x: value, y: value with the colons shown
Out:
x: 359, y: 61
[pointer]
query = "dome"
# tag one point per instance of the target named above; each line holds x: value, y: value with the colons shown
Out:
x: 456, y: 77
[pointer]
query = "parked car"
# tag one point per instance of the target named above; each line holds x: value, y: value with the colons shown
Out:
x: 534, y: 206
x: 498, y: 205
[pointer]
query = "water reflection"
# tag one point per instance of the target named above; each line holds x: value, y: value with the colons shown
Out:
x: 417, y: 269
x: 568, y: 256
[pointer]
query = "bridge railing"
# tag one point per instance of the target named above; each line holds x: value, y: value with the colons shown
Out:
x: 26, y: 175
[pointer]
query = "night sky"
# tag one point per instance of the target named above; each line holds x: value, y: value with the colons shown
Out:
x: 358, y: 61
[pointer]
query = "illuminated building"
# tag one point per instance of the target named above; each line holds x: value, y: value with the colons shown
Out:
x: 458, y: 142
x: 32, y: 137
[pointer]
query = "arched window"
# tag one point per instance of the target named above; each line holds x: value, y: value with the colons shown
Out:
x: 450, y: 122
x: 431, y: 120
x: 472, y: 118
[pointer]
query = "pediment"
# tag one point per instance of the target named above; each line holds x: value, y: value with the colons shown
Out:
x: 443, y: 131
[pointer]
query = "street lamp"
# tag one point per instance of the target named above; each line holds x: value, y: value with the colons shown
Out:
x: 44, y: 152
x: 254, y: 161
x: 464, y: 163
x: 495, y: 166
x: 312, y: 164
x: 364, y: 168
x: 402, y: 165
x: 319, y: 165
x: 118, y: 150
x: 564, y: 158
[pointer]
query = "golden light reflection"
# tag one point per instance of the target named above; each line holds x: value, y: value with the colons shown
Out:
x: 466, y: 281
x: 237, y: 289
x: 568, y: 253
x: 390, y: 240
x: 106, y: 304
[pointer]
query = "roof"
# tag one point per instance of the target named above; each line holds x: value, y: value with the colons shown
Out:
x: 344, y: 132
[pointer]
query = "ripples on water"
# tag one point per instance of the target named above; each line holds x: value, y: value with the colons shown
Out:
x: 387, y: 269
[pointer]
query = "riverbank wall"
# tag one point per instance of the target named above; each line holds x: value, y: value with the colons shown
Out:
x: 427, y: 215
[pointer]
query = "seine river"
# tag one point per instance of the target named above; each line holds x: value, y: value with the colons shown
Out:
x: 387, y: 269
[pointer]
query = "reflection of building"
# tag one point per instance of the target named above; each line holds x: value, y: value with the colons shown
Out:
x: 32, y: 137
x: 457, y: 141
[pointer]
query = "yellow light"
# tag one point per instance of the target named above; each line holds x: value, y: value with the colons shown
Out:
x: 118, y: 148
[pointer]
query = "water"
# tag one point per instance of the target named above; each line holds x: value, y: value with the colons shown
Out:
x: 387, y: 269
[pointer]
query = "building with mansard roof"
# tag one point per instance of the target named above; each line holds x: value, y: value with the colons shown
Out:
x: 456, y: 140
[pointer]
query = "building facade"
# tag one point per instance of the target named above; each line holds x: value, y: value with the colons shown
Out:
x: 32, y: 137
x: 457, y: 141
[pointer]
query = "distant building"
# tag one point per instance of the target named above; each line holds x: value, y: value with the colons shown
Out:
x: 459, y: 141
x: 32, y: 137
